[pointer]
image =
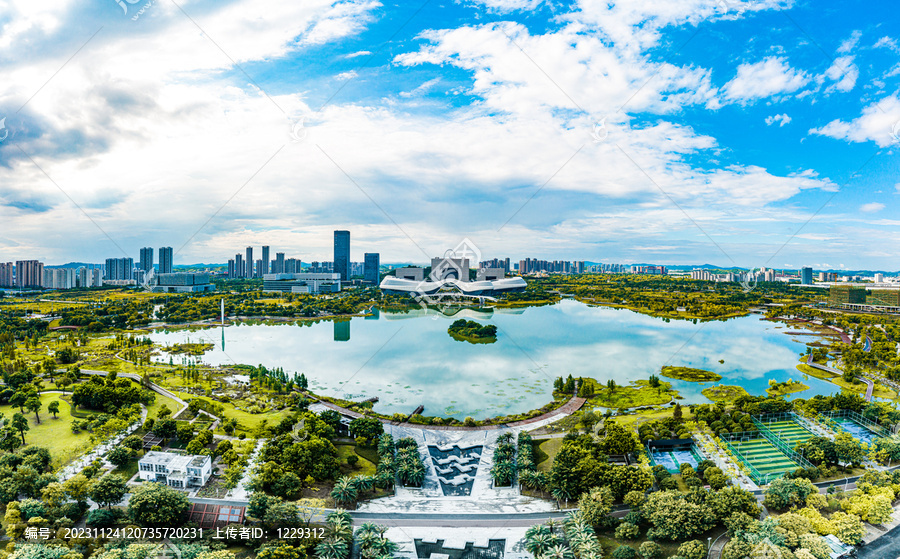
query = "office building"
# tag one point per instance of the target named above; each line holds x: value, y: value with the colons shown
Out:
x: 410, y: 273
x: 231, y: 268
x: 175, y: 470
x: 181, y: 282
x: 266, y: 269
x: 490, y: 274
x: 806, y: 276
x: 6, y: 274
x: 258, y: 273
x: 883, y: 297
x: 146, y: 261
x: 120, y: 268
x: 849, y: 294
x: 29, y: 273
x: 879, y: 278
x: 372, y: 267
x: 165, y: 260
x: 342, y: 254
x: 278, y: 264
x: 248, y: 273
x: 302, y: 283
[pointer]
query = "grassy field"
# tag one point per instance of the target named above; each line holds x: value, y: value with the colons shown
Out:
x: 161, y: 401
x: 638, y: 394
x: 690, y: 374
x: 363, y: 468
x: 545, y: 452
x: 724, y: 393
x: 53, y: 434
x: 247, y: 422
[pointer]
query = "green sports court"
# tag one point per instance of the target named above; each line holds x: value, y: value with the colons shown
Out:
x: 787, y: 430
x: 766, y: 462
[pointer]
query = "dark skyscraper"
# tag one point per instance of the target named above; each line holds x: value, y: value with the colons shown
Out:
x: 278, y: 264
x: 238, y: 265
x: 146, y: 262
x: 342, y: 254
x: 370, y: 267
x: 267, y: 265
x: 248, y: 273
x: 165, y: 260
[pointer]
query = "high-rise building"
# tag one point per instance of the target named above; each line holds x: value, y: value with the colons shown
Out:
x: 267, y: 264
x: 293, y: 266
x: 278, y: 264
x: 372, y: 265
x: 238, y: 265
x: 342, y: 254
x: 259, y: 269
x: 806, y: 277
x: 119, y: 268
x: 6, y: 274
x: 29, y: 273
x: 231, y: 269
x: 165, y: 260
x: 248, y: 272
x: 879, y: 278
x: 146, y: 261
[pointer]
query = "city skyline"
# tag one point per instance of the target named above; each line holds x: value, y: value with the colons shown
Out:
x: 745, y: 134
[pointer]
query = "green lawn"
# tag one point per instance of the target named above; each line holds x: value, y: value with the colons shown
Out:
x: 160, y: 401
x: 363, y: 468
x: 54, y: 434
x: 247, y: 422
x: 690, y: 374
x: 545, y: 452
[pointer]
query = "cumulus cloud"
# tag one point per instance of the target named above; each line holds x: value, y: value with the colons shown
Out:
x: 759, y: 80
x: 781, y: 119
x: 879, y: 123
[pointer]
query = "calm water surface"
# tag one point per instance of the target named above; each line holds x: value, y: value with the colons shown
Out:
x: 409, y: 359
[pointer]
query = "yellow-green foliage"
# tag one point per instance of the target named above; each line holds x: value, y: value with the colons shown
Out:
x: 690, y: 374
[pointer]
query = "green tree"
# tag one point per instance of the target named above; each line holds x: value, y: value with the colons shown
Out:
x: 280, y: 550
x: 651, y: 550
x: 120, y: 455
x: 34, y: 405
x: 693, y: 549
x: 53, y: 408
x: 157, y: 505
x: 369, y: 428
x: 674, y: 517
x: 78, y: 487
x: 108, y: 490
x: 165, y: 428
x: 20, y: 424
x: 619, y: 440
x: 596, y: 505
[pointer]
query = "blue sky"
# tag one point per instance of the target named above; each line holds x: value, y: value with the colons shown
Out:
x: 692, y: 131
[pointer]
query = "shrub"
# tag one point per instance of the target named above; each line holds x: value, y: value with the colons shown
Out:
x: 693, y: 549
x: 651, y: 550
x: 624, y: 552
x: 627, y: 531
x: 104, y: 518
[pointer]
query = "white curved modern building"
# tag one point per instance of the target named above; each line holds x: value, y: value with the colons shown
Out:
x: 395, y: 285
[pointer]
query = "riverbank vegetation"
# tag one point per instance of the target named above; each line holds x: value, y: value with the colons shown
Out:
x: 783, y: 388
x: 473, y: 332
x: 690, y: 374
x: 723, y: 393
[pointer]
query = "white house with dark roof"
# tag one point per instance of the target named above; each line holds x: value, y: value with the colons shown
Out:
x: 175, y: 470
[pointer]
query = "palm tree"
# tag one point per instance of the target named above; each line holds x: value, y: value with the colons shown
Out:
x: 558, y: 551
x: 339, y: 515
x: 344, y: 491
x: 505, y: 438
x: 417, y: 477
x: 332, y: 548
x: 539, y: 542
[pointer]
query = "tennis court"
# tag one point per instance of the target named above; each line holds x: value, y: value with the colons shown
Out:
x: 856, y: 430
x: 671, y: 459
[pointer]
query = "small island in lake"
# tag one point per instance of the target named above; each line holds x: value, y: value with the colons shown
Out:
x: 195, y: 349
x: 788, y: 387
x: 690, y: 374
x: 472, y: 332
x: 724, y: 393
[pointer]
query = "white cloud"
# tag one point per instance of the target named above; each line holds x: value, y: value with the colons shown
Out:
x: 422, y: 89
x: 888, y: 43
x: 346, y: 75
x: 781, y: 119
x: 358, y: 53
x: 879, y: 122
x: 850, y: 43
x: 767, y: 78
x: 843, y: 72
x: 871, y: 207
x: 506, y: 6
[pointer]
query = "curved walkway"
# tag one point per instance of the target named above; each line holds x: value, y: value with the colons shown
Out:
x: 570, y: 407
x: 870, y: 386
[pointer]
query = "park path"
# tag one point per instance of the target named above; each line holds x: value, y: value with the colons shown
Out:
x: 870, y: 386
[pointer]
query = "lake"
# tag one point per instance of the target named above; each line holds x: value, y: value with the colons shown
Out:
x: 408, y: 359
